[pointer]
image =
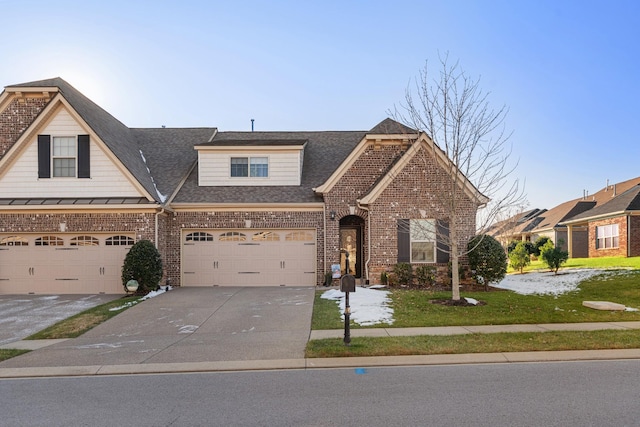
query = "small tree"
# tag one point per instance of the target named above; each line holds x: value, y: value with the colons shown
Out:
x: 143, y: 264
x: 519, y: 257
x: 553, y: 256
x: 539, y: 243
x: 487, y: 259
x: 425, y: 275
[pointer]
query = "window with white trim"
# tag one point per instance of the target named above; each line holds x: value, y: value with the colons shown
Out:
x: 422, y: 234
x: 63, y: 156
x: 257, y: 167
x: 607, y: 236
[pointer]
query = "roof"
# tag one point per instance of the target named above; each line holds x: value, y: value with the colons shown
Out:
x: 110, y: 130
x: 623, y: 203
x: 553, y: 216
x: 323, y: 153
x: 391, y: 127
x: 254, y: 142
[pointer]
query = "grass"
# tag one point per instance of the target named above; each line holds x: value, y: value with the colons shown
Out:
x: 77, y: 325
x: 413, y: 308
x: 8, y: 354
x: 475, y: 343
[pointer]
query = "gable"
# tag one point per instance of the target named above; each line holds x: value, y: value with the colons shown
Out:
x: 22, y: 175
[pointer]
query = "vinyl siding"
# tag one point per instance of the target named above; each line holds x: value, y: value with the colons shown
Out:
x: 214, y: 169
x: 21, y: 181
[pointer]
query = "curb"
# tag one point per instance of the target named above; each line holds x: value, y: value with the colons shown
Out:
x: 320, y: 363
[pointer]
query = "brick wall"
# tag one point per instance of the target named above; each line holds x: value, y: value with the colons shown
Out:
x: 634, y: 236
x: 16, y: 117
x: 237, y: 220
x: 415, y: 193
x: 621, y: 250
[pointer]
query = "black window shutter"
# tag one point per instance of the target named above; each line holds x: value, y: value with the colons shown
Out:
x: 442, y: 236
x: 84, y: 170
x: 404, y: 242
x: 44, y: 156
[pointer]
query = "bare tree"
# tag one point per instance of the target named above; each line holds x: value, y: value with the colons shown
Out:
x: 453, y: 111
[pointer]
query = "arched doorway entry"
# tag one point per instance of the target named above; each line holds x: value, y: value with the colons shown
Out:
x: 351, y: 228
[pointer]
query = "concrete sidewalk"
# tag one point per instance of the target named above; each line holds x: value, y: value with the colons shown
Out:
x: 349, y: 362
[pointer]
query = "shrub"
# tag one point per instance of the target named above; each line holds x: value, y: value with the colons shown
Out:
x: 529, y: 247
x: 539, y: 243
x: 143, y: 264
x: 403, y: 273
x: 426, y: 275
x: 384, y: 278
x: 553, y: 256
x: 519, y: 257
x: 487, y: 259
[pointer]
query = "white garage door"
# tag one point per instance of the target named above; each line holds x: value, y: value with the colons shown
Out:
x: 249, y: 258
x: 62, y: 263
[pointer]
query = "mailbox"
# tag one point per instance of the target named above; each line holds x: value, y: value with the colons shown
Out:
x: 348, y: 283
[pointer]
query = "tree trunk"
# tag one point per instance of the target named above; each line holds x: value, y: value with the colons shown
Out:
x: 455, y: 271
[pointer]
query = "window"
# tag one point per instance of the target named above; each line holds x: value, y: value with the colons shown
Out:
x: 49, y: 241
x: 232, y: 236
x: 268, y: 236
x: 250, y: 167
x: 64, y: 156
x: 119, y: 241
x: 299, y: 236
x: 14, y: 241
x: 84, y: 241
x: 422, y: 234
x: 199, y: 236
x: 607, y: 236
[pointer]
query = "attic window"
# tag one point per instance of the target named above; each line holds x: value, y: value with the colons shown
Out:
x: 249, y: 167
x: 64, y: 156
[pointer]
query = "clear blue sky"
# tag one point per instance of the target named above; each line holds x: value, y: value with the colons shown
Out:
x: 567, y: 70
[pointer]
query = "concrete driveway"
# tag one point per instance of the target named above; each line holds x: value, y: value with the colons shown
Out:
x: 24, y: 315
x: 192, y: 325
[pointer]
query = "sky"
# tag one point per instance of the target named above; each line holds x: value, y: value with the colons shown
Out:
x: 566, y: 70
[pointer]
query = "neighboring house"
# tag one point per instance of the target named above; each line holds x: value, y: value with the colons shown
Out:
x: 78, y: 188
x: 517, y: 227
x: 613, y: 227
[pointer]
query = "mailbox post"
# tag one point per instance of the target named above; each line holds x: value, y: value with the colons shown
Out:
x: 347, y: 284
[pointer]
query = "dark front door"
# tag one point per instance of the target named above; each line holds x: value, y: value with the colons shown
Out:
x: 351, y: 245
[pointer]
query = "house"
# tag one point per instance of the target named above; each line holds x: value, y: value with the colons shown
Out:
x: 78, y: 188
x: 613, y: 227
x: 558, y: 222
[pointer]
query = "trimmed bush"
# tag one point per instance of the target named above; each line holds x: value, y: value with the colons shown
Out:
x: 426, y: 275
x: 539, y: 243
x: 553, y: 256
x: 487, y: 260
x: 403, y: 273
x: 143, y: 264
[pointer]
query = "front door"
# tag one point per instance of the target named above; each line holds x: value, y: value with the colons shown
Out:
x: 351, y: 245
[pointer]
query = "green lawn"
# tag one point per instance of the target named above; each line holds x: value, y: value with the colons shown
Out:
x: 8, y: 354
x: 413, y: 308
x: 604, y: 263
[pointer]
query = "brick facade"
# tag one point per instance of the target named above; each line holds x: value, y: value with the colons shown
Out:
x: 621, y: 250
x: 16, y: 117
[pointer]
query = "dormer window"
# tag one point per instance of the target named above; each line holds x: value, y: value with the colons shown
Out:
x: 63, y: 156
x: 249, y: 167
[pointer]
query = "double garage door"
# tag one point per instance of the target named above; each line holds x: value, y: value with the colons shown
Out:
x: 249, y: 258
x: 62, y: 263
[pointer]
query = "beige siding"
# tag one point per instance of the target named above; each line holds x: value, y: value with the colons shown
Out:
x: 214, y: 168
x: 21, y: 181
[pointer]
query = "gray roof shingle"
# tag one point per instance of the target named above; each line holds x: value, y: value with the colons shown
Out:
x: 627, y: 201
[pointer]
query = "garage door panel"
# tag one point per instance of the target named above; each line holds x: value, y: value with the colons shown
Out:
x: 63, y: 264
x: 250, y: 258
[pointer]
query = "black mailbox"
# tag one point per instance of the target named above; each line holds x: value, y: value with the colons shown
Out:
x: 348, y: 283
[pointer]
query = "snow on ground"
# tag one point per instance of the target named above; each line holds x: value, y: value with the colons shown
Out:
x: 368, y: 306
x: 147, y: 296
x: 545, y: 282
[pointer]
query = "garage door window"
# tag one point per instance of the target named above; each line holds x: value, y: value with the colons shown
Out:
x: 119, y: 241
x: 232, y: 236
x: 299, y: 236
x: 14, y: 241
x: 266, y: 236
x: 199, y: 236
x: 49, y: 241
x: 84, y: 241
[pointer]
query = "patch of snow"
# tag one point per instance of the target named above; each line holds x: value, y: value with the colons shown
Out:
x: 151, y: 294
x: 188, y: 329
x: 547, y: 283
x: 368, y: 306
x: 631, y: 309
x: 377, y: 287
x: 471, y: 300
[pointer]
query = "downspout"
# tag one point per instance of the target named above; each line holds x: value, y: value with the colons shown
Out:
x: 629, y: 236
x: 156, y: 231
x: 324, y: 238
x: 366, y: 264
